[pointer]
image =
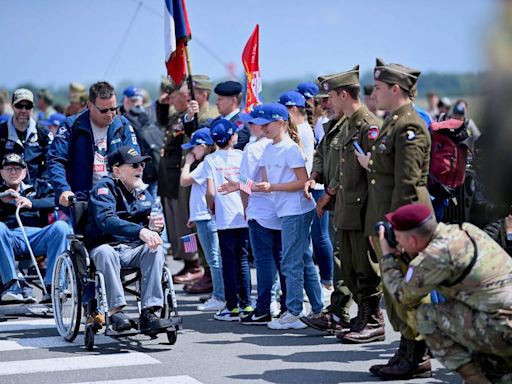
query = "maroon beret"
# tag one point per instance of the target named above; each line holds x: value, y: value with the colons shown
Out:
x: 409, y: 216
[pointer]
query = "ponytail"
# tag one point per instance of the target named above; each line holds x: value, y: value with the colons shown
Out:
x: 293, y: 132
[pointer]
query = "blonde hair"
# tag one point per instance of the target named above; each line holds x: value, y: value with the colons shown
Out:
x: 293, y: 132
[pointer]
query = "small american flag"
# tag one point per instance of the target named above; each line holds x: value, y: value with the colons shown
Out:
x: 190, y: 243
x: 246, y: 184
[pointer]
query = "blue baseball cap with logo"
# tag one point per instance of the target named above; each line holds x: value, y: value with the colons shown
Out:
x: 245, y: 117
x: 270, y: 112
x: 308, y: 89
x: 222, y: 130
x: 292, y: 99
x: 201, y: 136
x: 132, y: 92
x: 54, y: 119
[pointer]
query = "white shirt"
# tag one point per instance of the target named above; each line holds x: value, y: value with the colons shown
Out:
x: 99, y: 168
x: 319, y: 128
x: 229, y: 211
x: 307, y: 138
x: 261, y: 205
x: 197, y: 202
x: 280, y: 160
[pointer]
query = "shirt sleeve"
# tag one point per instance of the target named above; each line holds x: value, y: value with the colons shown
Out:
x: 198, y: 174
x: 295, y: 157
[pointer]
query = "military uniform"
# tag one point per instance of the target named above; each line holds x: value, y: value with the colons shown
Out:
x: 474, y: 274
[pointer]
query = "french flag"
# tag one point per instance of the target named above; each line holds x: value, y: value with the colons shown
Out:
x: 176, y: 33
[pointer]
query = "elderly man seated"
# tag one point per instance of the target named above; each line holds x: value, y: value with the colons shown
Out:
x: 119, y: 237
x: 36, y: 201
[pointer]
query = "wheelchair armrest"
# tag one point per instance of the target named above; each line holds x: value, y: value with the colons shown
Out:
x: 75, y: 236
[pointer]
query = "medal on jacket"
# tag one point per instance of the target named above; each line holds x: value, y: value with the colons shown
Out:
x: 382, y: 146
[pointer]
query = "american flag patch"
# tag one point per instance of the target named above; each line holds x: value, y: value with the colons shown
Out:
x: 190, y: 243
x: 246, y: 184
x: 102, y: 191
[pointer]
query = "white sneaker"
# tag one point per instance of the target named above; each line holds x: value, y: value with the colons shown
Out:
x: 287, y: 321
x: 11, y: 297
x: 212, y: 304
x: 326, y: 294
x: 275, y: 309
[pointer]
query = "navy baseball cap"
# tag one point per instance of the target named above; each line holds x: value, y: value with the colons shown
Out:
x: 13, y: 159
x: 222, y: 130
x: 459, y: 109
x: 126, y: 155
x: 201, y: 136
x: 132, y: 92
x: 270, y: 112
x: 54, y: 119
x: 308, y: 89
x: 292, y: 99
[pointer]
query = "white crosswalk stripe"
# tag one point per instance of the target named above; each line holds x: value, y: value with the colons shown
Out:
x: 150, y: 380
x: 48, y: 342
x: 26, y: 325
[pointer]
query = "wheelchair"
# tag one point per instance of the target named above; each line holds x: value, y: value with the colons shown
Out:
x: 77, y: 286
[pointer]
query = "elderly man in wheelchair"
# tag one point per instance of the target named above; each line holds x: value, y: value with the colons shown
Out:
x: 118, y: 236
x: 35, y: 202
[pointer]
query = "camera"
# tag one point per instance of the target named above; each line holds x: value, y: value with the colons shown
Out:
x: 389, y: 234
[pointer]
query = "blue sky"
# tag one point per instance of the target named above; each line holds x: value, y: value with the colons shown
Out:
x: 53, y: 42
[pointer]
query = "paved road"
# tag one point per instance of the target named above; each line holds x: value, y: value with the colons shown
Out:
x: 207, y: 351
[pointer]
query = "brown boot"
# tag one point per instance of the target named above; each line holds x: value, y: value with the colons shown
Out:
x: 204, y: 285
x: 369, y: 328
x: 416, y: 364
x: 397, y: 357
x: 472, y: 374
x: 191, y: 272
x: 324, y: 322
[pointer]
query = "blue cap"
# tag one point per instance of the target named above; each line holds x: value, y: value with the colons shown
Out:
x: 132, y: 92
x: 308, y: 89
x: 459, y: 109
x: 54, y: 119
x: 201, y: 136
x: 245, y: 117
x: 222, y: 130
x: 292, y: 99
x: 270, y: 112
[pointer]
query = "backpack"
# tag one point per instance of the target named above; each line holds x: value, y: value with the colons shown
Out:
x: 150, y: 138
x: 448, y: 157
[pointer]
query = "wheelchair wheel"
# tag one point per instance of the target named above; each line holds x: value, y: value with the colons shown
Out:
x: 89, y: 338
x: 66, y: 297
x: 172, y: 336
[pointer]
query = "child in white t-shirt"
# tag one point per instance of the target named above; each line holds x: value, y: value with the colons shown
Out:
x: 200, y: 145
x: 229, y: 216
x: 285, y: 174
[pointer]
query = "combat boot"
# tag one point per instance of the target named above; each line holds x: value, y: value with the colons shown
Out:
x: 472, y: 374
x: 395, y: 359
x: 369, y: 328
x: 416, y: 364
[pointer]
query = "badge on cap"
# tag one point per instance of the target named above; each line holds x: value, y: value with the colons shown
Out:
x: 408, y: 275
x: 326, y: 86
x: 376, y: 74
x: 373, y: 132
x: 410, y: 135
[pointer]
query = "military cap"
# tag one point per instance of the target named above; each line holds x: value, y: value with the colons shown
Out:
x: 342, y: 79
x: 321, y: 93
x: 166, y: 85
x: 202, y: 82
x: 126, y: 155
x: 409, y: 216
x: 22, y: 94
x: 75, y: 87
x: 13, y: 159
x: 405, y: 77
x: 4, y: 96
x: 45, y: 95
x: 228, y: 88
x: 368, y: 89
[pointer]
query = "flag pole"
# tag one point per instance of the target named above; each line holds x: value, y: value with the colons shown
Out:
x: 190, y: 83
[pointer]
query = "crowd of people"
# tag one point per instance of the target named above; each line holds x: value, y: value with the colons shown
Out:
x: 328, y: 192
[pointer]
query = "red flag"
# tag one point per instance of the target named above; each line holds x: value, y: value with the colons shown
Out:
x: 250, y: 60
x: 176, y: 32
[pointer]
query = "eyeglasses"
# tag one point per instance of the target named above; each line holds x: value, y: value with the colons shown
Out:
x: 28, y: 107
x: 13, y: 169
x: 137, y: 165
x: 105, y: 110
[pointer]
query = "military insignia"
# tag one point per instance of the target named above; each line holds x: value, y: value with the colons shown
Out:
x: 408, y: 275
x: 410, y: 135
x: 376, y: 74
x: 132, y: 152
x: 103, y: 191
x: 373, y: 132
x: 326, y: 86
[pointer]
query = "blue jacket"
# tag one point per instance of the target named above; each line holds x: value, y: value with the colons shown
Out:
x: 71, y: 155
x: 116, y: 216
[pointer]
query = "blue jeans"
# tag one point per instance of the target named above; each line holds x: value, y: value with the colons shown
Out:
x: 50, y: 241
x: 209, y: 239
x: 297, y: 263
x: 266, y: 249
x: 322, y: 245
x: 235, y: 267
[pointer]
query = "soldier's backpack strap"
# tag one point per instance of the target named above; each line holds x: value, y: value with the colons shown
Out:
x: 470, y: 265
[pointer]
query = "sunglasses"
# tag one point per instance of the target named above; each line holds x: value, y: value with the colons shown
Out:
x: 137, y: 165
x: 105, y: 110
x: 28, y: 107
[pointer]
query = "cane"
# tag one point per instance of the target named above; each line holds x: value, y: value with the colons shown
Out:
x: 34, y: 261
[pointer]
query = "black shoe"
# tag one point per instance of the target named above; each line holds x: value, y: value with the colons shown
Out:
x: 120, y: 322
x: 150, y: 323
x: 254, y: 318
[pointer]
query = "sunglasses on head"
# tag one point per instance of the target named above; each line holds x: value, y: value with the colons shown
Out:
x: 24, y: 106
x: 105, y: 110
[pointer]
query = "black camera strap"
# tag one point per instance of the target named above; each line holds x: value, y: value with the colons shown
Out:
x: 470, y: 265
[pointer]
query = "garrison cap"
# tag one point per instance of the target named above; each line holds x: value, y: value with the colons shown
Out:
x: 202, y: 82
x: 342, y: 79
x: 228, y: 88
x: 409, y: 216
x: 45, y: 95
x: 13, y: 159
x: 321, y: 93
x: 166, y: 85
x: 405, y: 77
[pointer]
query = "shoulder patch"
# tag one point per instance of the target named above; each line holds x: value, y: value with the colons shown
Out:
x: 103, y: 191
x: 408, y: 275
x: 411, y: 135
x: 373, y: 132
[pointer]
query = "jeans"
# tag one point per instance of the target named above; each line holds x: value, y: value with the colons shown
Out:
x: 209, y: 239
x: 266, y: 249
x: 235, y: 267
x: 50, y: 241
x: 297, y: 263
x: 322, y: 244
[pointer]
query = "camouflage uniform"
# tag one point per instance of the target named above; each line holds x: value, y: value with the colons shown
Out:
x: 477, y: 316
